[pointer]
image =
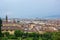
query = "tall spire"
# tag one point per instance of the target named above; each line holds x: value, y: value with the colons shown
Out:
x: 6, y: 18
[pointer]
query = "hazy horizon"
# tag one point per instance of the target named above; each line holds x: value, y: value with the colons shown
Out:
x: 30, y: 8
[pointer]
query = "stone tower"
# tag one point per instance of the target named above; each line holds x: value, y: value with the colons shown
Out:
x: 6, y: 18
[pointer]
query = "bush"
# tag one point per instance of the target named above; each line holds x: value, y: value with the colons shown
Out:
x: 4, y: 38
x: 12, y: 37
x: 6, y: 34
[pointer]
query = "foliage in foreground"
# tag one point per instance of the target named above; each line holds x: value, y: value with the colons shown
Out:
x: 19, y: 35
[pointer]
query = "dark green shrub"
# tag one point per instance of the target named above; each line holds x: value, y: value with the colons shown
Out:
x: 6, y: 34
x: 12, y: 37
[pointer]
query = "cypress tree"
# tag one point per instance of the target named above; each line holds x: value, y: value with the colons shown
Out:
x: 0, y: 27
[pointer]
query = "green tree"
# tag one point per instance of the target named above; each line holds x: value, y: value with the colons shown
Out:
x: 56, y: 36
x: 35, y: 36
x: 47, y: 36
x: 18, y: 33
x: 0, y: 27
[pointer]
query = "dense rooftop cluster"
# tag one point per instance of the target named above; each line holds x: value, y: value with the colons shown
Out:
x: 31, y: 25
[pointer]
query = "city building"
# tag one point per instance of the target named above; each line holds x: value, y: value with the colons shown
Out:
x: 28, y: 25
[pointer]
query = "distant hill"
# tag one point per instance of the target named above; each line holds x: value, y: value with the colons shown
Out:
x: 54, y: 16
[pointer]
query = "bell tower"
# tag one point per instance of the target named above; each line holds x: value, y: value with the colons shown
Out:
x: 6, y: 18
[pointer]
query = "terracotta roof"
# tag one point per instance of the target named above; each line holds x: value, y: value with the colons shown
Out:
x: 10, y: 28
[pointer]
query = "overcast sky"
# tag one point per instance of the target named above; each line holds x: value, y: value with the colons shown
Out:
x: 30, y: 8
